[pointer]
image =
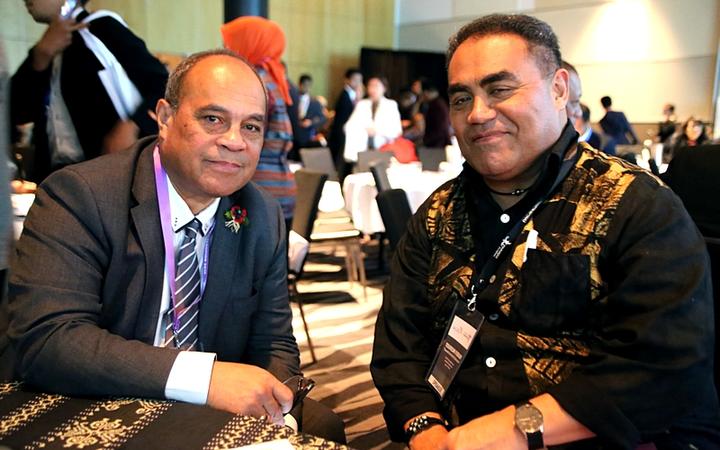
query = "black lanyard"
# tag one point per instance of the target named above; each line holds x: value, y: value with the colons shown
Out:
x: 491, y: 265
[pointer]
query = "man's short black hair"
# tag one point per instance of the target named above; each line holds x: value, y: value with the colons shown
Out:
x: 350, y: 72
x: 541, y: 40
x: 585, y: 112
x: 305, y: 77
x: 606, y: 102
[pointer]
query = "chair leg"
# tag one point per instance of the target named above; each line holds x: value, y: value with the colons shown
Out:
x: 359, y: 262
x: 296, y: 295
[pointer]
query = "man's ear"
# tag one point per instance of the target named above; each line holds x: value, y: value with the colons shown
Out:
x: 561, y: 88
x: 164, y: 113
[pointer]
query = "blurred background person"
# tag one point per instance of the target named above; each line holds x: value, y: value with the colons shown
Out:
x: 311, y: 117
x: 582, y: 126
x: 5, y: 207
x: 59, y: 88
x: 349, y: 96
x: 616, y: 127
x: 667, y: 127
x: 412, y: 120
x: 692, y: 133
x: 437, y: 118
x: 262, y: 43
x: 572, y: 108
x: 374, y: 122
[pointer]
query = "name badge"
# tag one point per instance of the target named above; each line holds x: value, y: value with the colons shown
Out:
x: 454, y: 347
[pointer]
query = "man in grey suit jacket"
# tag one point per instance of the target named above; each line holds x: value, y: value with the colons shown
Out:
x: 90, y: 307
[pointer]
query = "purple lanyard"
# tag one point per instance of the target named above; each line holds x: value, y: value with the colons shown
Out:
x: 163, y: 197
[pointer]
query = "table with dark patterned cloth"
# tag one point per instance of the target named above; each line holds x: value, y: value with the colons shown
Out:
x: 35, y: 420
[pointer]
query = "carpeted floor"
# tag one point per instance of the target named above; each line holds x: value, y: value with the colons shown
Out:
x: 342, y: 323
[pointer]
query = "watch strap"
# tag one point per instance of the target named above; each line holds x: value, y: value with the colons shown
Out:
x: 535, y: 440
x: 421, y: 423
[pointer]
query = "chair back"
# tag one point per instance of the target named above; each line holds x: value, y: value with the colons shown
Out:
x: 694, y: 175
x: 431, y: 157
x: 366, y: 158
x: 395, y: 212
x: 319, y: 159
x: 379, y: 173
x: 309, y: 189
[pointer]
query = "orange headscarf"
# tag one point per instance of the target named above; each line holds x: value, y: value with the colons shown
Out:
x: 262, y: 43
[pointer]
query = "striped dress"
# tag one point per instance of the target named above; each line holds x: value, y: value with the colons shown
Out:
x: 273, y: 173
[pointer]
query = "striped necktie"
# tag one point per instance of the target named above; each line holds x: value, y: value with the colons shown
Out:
x: 187, y: 292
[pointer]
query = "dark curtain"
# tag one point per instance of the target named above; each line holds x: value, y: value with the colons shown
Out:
x: 403, y: 67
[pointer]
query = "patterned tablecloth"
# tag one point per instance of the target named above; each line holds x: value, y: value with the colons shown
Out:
x: 35, y: 420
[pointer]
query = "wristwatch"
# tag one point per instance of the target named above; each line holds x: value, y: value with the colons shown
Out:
x: 529, y: 420
x: 421, y: 423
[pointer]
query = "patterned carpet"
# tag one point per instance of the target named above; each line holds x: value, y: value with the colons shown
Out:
x: 341, y: 325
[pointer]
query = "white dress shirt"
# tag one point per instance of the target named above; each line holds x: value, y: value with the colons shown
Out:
x: 189, y: 379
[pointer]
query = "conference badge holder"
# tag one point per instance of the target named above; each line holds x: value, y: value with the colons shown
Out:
x: 455, y: 345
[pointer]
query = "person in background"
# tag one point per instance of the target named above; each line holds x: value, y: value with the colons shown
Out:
x: 292, y: 110
x: 374, y: 122
x: 59, y: 88
x: 163, y: 272
x: 311, y: 116
x: 262, y: 43
x: 413, y: 121
x: 666, y: 128
x: 690, y: 134
x: 6, y: 230
x: 582, y: 126
x: 349, y: 96
x: 572, y: 108
x: 616, y: 127
x: 437, y: 118
x: 579, y: 114
x: 529, y: 303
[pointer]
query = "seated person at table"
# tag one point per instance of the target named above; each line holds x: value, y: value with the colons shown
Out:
x: 585, y: 276
x: 374, y: 122
x: 97, y: 305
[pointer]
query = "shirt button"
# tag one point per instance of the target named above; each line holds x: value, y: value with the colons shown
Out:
x: 493, y: 317
x: 490, y: 362
x: 504, y: 218
x: 492, y: 279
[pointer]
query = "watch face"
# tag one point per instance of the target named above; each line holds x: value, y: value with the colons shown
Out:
x: 528, y: 418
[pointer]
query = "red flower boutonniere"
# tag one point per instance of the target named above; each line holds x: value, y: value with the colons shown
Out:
x: 235, y: 218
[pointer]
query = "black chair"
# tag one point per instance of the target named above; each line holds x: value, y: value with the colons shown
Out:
x: 395, y: 212
x: 431, y: 157
x: 310, y: 185
x: 319, y: 159
x: 694, y: 175
x: 379, y: 172
x: 365, y: 159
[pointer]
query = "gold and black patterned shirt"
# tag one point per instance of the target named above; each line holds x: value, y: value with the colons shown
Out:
x: 610, y: 313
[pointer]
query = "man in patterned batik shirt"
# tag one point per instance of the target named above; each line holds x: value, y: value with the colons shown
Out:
x: 593, y: 314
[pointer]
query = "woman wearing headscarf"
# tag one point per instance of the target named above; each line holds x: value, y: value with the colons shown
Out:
x: 262, y: 43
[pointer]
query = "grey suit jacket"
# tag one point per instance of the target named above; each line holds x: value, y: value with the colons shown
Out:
x: 87, y: 279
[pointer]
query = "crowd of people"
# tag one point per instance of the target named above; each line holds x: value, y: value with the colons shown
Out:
x: 549, y: 295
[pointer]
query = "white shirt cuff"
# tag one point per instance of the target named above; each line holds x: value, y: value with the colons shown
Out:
x: 189, y: 379
x: 291, y: 422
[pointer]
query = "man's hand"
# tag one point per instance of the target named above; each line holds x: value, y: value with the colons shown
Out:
x: 433, y: 438
x: 121, y: 136
x: 57, y: 37
x: 493, y: 431
x: 248, y: 390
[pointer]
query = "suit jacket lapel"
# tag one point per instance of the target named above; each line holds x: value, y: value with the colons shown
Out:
x: 224, y: 259
x: 146, y: 220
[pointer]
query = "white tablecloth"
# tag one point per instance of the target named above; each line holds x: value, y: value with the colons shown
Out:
x: 21, y: 204
x: 359, y: 191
